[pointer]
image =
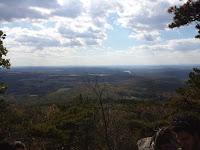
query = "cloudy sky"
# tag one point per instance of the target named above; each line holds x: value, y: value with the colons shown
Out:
x: 95, y: 32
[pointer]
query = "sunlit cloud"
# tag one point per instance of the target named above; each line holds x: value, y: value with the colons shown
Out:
x: 74, y: 32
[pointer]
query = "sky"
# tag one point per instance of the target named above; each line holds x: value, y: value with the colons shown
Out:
x: 95, y: 33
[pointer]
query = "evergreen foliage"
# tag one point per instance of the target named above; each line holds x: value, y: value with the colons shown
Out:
x: 5, y: 63
x: 186, y: 14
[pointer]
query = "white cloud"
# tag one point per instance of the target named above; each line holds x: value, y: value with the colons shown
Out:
x: 168, y: 52
x: 145, y: 18
x: 74, y: 31
x: 86, y: 22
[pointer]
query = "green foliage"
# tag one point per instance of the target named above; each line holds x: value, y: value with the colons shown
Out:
x: 188, y: 97
x: 192, y: 89
x: 79, y: 124
x: 3, y: 51
x: 3, y: 88
x: 5, y: 63
x: 186, y: 14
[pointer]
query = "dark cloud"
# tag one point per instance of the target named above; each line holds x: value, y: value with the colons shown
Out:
x: 88, y: 37
x: 38, y: 42
x: 100, y: 9
x: 29, y: 3
x: 19, y: 9
x: 11, y: 13
x: 91, y: 42
x: 158, y: 20
x: 71, y: 9
x: 175, y: 45
x: 149, y: 37
x: 73, y: 43
x: 88, y: 34
x: 185, y: 45
x: 149, y: 17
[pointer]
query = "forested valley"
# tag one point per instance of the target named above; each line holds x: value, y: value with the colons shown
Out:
x: 93, y: 108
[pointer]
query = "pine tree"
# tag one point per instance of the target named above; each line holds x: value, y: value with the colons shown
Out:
x: 186, y: 14
x: 4, y: 63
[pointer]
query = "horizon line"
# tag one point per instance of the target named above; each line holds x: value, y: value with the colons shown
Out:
x: 108, y: 65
